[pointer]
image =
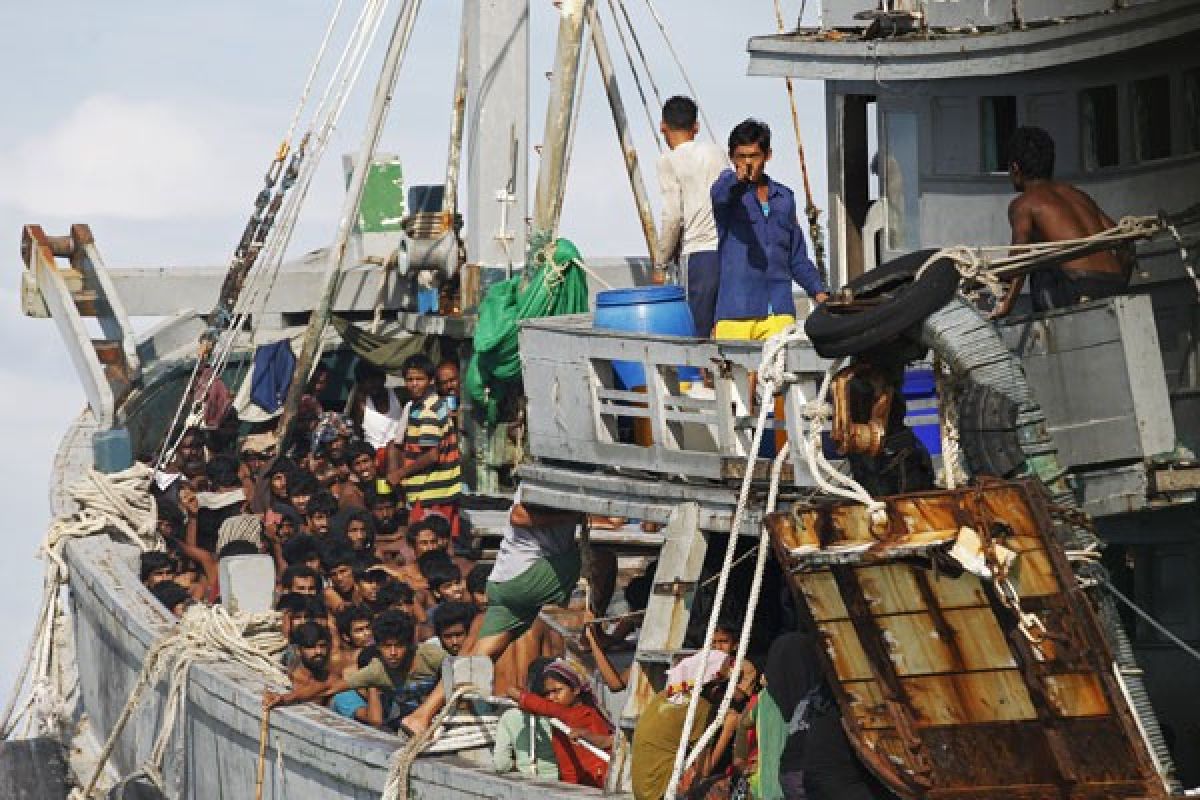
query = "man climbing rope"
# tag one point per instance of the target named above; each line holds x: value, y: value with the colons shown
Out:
x: 1046, y: 210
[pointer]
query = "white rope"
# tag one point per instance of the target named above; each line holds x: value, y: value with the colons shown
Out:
x: 396, y: 786
x: 118, y: 504
x: 203, y: 635
x: 772, y: 375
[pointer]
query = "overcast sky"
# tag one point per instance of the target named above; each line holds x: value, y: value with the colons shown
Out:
x: 153, y: 123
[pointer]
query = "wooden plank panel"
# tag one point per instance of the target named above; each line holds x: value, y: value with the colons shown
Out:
x: 981, y: 642
x: 867, y: 704
x: 1077, y: 695
x: 975, y: 757
x: 890, y: 589
x: 846, y: 651
x: 1034, y: 575
x: 821, y: 593
x: 915, y: 647
x: 961, y: 592
x: 970, y: 698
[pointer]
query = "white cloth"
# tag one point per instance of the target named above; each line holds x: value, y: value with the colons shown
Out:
x: 685, y: 177
x: 378, y: 428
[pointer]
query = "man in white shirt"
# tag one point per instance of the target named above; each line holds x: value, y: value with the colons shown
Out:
x: 686, y: 174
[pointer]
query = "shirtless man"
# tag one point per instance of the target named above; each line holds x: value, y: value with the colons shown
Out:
x: 1047, y: 210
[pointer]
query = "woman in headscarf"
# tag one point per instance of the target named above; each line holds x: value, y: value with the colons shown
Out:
x: 656, y: 736
x: 794, y: 679
x: 567, y: 697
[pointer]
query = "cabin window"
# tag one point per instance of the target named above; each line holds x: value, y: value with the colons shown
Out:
x: 998, y: 123
x: 1191, y: 110
x: 1152, y: 118
x: 900, y: 181
x: 1100, y: 127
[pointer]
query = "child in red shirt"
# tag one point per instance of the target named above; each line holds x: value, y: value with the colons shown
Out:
x: 568, y: 698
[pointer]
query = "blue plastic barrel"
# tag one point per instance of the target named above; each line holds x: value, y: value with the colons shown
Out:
x: 112, y: 450
x: 921, y: 412
x: 646, y: 309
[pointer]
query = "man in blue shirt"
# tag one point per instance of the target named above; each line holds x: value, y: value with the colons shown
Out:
x: 760, y: 245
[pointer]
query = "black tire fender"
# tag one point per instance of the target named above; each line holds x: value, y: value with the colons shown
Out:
x: 836, y: 331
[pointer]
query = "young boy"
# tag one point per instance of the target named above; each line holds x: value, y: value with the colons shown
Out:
x: 445, y: 581
x: 451, y: 627
x: 426, y: 463
x: 354, y: 626
x: 340, y: 591
x: 393, y: 632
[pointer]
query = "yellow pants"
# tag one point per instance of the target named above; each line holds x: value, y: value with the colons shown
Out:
x: 755, y: 329
x: 758, y: 330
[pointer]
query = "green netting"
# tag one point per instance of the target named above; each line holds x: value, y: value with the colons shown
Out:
x: 553, y: 285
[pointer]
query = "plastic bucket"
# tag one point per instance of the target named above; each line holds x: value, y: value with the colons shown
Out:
x: 921, y: 407
x: 646, y: 309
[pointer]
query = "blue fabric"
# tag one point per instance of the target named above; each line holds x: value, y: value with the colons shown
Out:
x: 347, y: 702
x: 761, y: 254
x: 703, y: 281
x: 273, y: 367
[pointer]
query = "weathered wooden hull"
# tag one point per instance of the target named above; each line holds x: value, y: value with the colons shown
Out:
x: 941, y: 692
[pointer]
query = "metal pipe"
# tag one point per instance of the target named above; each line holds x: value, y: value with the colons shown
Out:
x: 384, y: 90
x: 547, y: 204
x: 454, y: 157
x: 640, y: 198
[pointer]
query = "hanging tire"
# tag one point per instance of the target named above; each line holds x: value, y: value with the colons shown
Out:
x: 897, y: 299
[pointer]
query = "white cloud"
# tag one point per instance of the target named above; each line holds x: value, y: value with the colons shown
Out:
x: 117, y: 157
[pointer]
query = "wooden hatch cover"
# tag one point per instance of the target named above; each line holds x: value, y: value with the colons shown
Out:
x: 956, y: 686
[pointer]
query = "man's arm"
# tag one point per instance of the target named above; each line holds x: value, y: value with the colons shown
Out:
x: 726, y: 193
x: 671, y: 230
x: 804, y: 271
x: 1020, y: 219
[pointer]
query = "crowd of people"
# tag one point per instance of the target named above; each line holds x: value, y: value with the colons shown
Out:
x: 378, y: 579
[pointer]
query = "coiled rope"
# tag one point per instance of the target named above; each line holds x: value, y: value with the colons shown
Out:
x: 117, y: 504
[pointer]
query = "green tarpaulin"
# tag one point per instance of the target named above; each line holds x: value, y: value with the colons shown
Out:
x: 553, y: 285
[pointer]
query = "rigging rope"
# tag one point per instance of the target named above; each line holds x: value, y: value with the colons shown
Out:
x: 637, y: 42
x: 118, y: 504
x: 637, y: 79
x: 679, y: 63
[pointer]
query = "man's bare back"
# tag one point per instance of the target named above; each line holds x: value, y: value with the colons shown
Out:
x: 1050, y: 211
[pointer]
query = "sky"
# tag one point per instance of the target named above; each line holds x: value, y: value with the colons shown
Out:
x: 154, y: 122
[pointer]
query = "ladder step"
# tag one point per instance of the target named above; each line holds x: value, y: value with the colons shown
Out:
x: 85, y: 302
x: 109, y: 352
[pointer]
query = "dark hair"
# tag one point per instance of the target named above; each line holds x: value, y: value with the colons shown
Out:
x: 222, y: 472
x: 679, y: 113
x: 728, y: 626
x: 309, y: 634
x: 170, y: 594
x: 368, y: 654
x: 299, y: 571
x: 393, y: 625
x: 300, y: 548
x: 350, y: 615
x: 171, y: 513
x: 301, y: 482
x: 437, y: 568
x: 750, y: 131
x: 1032, y: 150
x: 364, y: 369
x: 421, y: 362
x: 291, y: 516
x: 535, y: 682
x: 335, y: 553
x: 637, y: 592
x: 477, y: 578
x: 238, y: 547
x: 393, y: 593
x: 341, y: 523
x: 357, y: 449
x: 323, y: 500
x: 153, y: 561
x: 290, y: 601
x: 434, y: 522
x: 372, y: 574
x: 284, y: 465
x: 450, y: 614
